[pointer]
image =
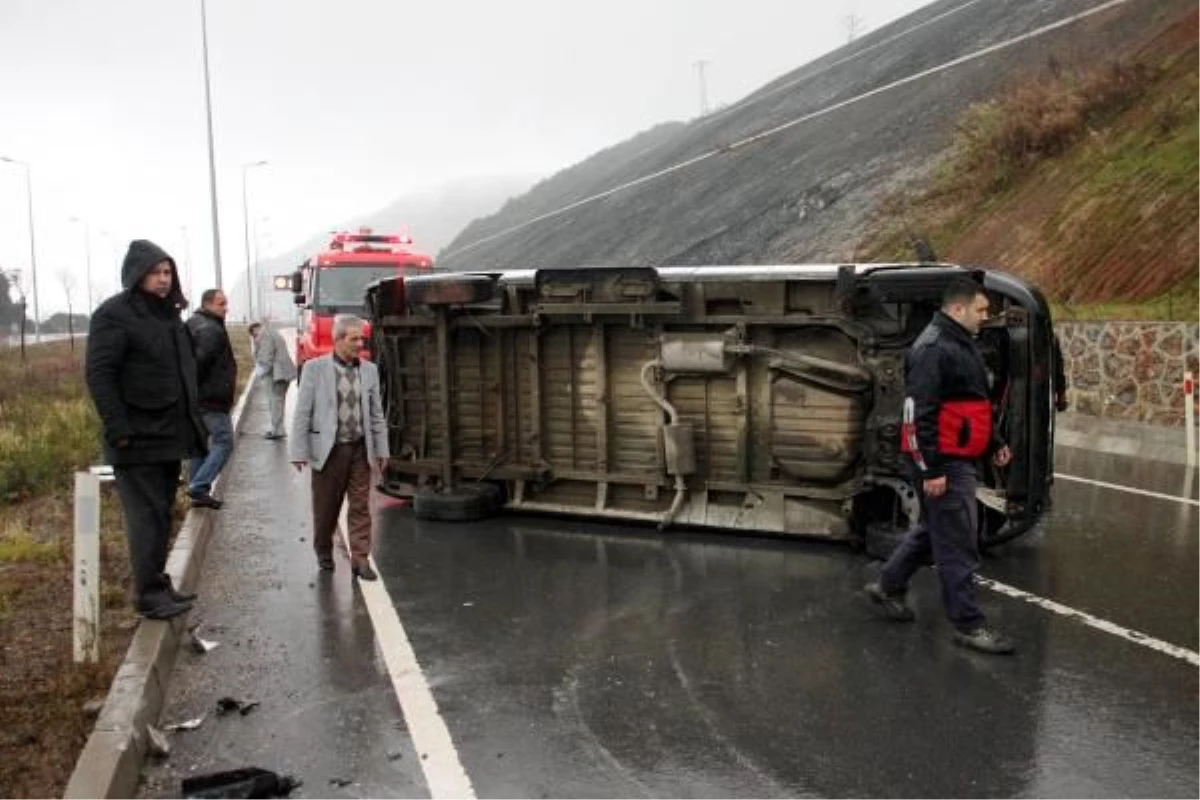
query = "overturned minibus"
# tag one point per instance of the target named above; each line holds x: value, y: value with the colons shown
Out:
x: 759, y: 399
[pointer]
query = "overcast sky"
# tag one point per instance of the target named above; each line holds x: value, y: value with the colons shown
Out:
x: 353, y: 103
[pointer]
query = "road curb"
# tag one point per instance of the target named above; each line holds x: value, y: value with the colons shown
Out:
x: 111, y: 762
x: 1122, y: 437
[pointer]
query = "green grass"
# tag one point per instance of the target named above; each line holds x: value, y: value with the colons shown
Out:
x: 1181, y: 304
x: 19, y: 547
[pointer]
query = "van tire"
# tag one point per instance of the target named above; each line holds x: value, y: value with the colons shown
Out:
x: 463, y: 503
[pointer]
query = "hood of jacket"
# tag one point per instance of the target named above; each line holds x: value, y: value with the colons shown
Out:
x: 142, y: 255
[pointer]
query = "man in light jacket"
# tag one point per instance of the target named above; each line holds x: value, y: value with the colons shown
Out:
x: 338, y: 428
x: 274, y: 367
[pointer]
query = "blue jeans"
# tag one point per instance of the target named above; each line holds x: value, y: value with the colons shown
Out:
x: 220, y: 447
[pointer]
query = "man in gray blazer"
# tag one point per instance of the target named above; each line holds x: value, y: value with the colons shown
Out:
x: 338, y: 428
x: 274, y: 367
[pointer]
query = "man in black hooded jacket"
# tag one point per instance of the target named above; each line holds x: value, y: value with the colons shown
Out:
x: 142, y: 377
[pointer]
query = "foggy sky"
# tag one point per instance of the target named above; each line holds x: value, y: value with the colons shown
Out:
x: 353, y: 103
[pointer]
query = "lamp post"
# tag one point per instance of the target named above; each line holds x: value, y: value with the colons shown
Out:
x: 246, y: 232
x: 37, y: 325
x: 87, y: 250
x: 212, y: 167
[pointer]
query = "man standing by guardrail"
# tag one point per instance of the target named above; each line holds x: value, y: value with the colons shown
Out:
x: 274, y: 367
x: 142, y: 377
x: 216, y: 380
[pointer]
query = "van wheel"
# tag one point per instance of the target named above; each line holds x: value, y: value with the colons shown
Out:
x: 463, y: 503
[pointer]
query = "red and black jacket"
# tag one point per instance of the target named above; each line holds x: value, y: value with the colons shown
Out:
x: 947, y: 411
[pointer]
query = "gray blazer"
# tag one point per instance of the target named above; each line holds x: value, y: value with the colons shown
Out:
x: 270, y: 352
x: 314, y: 421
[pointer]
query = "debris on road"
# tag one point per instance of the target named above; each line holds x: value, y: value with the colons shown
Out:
x: 244, y: 782
x: 226, y: 705
x: 199, y: 644
x: 186, y: 725
x: 157, y: 744
x: 340, y: 782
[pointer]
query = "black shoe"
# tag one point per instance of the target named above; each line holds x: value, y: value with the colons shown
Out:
x: 985, y: 640
x: 177, y: 595
x: 165, y: 608
x: 893, y: 605
x: 364, y: 572
x: 183, y: 597
x: 325, y: 564
x: 204, y: 500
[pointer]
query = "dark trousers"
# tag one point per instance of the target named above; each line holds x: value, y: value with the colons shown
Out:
x: 147, y: 494
x: 345, y: 475
x: 949, y: 530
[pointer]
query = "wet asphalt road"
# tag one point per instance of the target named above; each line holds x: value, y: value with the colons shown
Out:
x: 576, y: 659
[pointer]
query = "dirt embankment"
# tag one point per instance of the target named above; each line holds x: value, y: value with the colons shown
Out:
x: 859, y: 130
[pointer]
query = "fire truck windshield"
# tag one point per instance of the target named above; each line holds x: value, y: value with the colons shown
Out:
x: 342, y: 288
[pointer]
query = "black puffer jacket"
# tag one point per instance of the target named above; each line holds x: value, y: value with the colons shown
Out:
x: 216, y: 368
x: 140, y: 369
x: 947, y: 408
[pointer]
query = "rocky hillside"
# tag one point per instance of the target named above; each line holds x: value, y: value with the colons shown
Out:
x: 1004, y: 132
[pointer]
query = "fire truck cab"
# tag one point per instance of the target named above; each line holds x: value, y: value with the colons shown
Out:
x: 335, y: 281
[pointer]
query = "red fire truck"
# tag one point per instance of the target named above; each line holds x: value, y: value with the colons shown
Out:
x: 335, y: 280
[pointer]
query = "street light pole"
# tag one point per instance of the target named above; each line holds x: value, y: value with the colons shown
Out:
x: 212, y: 166
x: 87, y: 250
x: 246, y: 232
x: 37, y: 324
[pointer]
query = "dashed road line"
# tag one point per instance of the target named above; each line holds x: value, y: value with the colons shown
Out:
x: 1128, y: 634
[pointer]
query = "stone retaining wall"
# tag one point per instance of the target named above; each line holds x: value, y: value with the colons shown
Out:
x: 1129, y: 370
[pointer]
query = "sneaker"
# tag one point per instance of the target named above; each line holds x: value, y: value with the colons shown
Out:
x: 893, y: 605
x: 985, y: 640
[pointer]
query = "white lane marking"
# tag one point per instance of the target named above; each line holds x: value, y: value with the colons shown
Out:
x: 791, y: 123
x: 1129, y: 489
x: 443, y: 770
x: 1174, y: 651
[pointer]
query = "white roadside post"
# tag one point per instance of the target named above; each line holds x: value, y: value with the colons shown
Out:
x: 87, y: 567
x: 1189, y: 416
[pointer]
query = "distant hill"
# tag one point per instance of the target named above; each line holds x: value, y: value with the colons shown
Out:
x: 848, y: 157
x: 432, y: 217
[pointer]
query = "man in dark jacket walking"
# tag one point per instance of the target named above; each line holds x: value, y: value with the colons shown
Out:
x: 947, y: 428
x: 142, y: 377
x: 216, y: 380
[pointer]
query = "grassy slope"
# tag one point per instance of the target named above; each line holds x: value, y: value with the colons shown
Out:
x: 1102, y: 214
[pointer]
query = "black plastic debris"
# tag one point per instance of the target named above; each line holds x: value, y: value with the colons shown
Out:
x: 340, y: 782
x: 244, y: 782
x: 227, y: 705
x: 394, y: 755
